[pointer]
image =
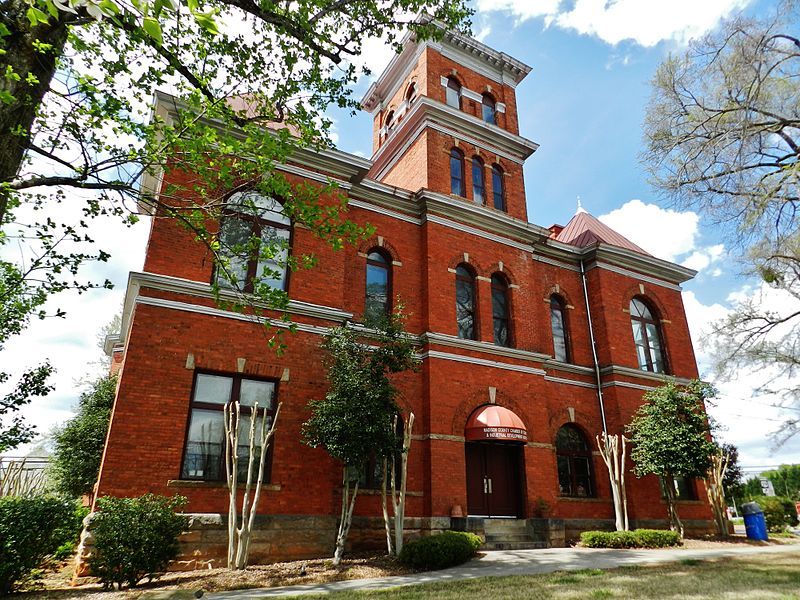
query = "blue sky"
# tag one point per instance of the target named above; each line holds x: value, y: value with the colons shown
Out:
x: 583, y: 102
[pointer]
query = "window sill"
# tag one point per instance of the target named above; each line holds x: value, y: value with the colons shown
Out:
x: 191, y: 483
x: 679, y: 501
x: 582, y: 499
x: 373, y: 492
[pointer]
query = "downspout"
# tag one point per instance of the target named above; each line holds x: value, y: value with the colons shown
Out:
x: 594, y: 350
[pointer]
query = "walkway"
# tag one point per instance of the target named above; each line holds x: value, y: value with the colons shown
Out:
x: 509, y: 562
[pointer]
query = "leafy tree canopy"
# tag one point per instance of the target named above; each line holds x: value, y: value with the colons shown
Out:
x: 354, y: 420
x: 79, y: 443
x: 670, y: 433
x: 251, y: 81
x: 723, y: 137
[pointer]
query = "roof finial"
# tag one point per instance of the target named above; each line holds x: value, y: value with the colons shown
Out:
x: 580, y: 207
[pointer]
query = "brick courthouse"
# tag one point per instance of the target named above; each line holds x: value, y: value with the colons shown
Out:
x: 510, y: 394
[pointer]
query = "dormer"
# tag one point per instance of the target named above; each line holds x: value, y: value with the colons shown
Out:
x: 452, y: 97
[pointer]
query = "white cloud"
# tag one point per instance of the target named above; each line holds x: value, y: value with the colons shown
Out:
x: 700, y: 259
x: 664, y: 233
x: 645, y: 22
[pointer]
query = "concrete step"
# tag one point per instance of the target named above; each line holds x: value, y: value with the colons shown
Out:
x: 510, y: 537
x: 514, y: 545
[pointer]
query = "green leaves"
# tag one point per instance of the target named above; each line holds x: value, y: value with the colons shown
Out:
x: 153, y: 29
x: 36, y: 16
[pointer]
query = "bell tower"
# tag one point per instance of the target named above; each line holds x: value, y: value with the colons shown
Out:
x: 445, y: 120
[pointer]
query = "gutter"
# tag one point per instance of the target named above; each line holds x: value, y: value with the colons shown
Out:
x: 594, y: 350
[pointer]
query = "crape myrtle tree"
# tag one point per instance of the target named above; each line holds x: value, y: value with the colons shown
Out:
x: 671, y: 437
x: 723, y: 137
x: 356, y: 420
x: 252, y: 78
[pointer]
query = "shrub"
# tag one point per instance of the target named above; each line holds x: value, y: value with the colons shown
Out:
x: 778, y: 512
x: 656, y: 538
x: 640, y: 538
x: 440, y: 551
x: 31, y: 529
x: 135, y: 538
x: 608, y: 539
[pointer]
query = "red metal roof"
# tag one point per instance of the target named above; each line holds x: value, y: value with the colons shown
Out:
x: 584, y: 230
x: 495, y: 423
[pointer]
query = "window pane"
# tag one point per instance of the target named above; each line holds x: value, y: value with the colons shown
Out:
x: 456, y: 175
x: 559, y: 333
x: 453, y: 94
x: 571, y: 440
x: 244, y: 447
x: 377, y: 294
x: 252, y: 391
x: 500, y: 316
x: 271, y: 269
x: 235, y: 243
x: 582, y: 472
x: 213, y: 389
x: 204, y: 448
x: 477, y: 181
x: 465, y: 306
x: 564, y: 477
x: 488, y: 110
x: 497, y: 189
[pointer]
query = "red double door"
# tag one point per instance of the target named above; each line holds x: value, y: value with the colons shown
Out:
x: 494, y: 479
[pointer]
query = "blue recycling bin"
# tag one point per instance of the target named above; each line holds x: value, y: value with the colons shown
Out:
x: 754, y: 522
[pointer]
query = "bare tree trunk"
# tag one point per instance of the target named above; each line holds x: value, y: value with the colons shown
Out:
x: 346, y: 518
x: 399, y: 499
x: 23, y: 96
x: 385, y: 509
x: 716, y: 493
x: 672, y: 505
x: 612, y: 450
x: 239, y: 536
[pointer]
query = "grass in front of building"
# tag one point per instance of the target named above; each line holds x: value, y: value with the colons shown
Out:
x: 775, y: 576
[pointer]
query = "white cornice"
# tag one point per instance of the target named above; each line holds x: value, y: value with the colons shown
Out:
x: 452, y: 341
x: 481, y: 362
x: 641, y: 374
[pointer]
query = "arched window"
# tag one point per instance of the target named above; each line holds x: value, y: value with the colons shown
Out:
x: 498, y: 191
x: 574, y: 463
x: 378, y: 293
x: 558, y: 323
x: 411, y: 93
x: 453, y: 93
x: 389, y: 123
x: 500, y: 310
x: 253, y: 243
x: 488, y: 109
x: 478, y: 182
x: 465, y: 303
x: 647, y: 337
x: 457, y: 186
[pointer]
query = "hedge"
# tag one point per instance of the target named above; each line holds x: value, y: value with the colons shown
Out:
x: 639, y: 538
x: 440, y: 551
x: 779, y: 512
x: 31, y: 530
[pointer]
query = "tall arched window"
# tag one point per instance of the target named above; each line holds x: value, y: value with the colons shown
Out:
x: 465, y: 303
x: 253, y: 243
x: 574, y: 463
x: 488, y: 109
x: 478, y: 181
x: 389, y: 123
x: 500, y: 310
x: 453, y: 93
x: 411, y: 93
x: 558, y: 323
x: 498, y: 190
x: 378, y: 293
x: 647, y: 337
x: 457, y: 185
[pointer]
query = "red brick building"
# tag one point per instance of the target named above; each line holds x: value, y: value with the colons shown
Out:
x: 511, y: 392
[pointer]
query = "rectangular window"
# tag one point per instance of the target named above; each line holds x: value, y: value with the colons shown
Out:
x: 204, y: 455
x: 684, y: 488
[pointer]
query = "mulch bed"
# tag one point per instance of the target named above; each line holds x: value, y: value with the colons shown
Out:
x: 56, y: 584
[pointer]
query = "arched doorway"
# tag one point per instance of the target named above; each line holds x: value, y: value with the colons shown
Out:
x: 495, y: 437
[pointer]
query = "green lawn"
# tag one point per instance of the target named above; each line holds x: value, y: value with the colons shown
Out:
x: 774, y: 576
